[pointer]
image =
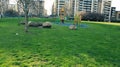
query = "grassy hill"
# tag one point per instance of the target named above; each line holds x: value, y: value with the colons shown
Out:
x: 95, y: 46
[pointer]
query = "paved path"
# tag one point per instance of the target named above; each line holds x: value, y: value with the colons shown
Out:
x: 68, y: 24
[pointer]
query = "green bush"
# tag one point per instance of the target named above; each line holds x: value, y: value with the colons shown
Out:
x: 10, y: 13
x: 93, y: 17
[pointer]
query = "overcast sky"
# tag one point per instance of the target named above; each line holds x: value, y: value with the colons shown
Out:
x: 116, y: 3
x: 48, y: 4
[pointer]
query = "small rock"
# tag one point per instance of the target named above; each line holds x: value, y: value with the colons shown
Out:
x: 72, y: 27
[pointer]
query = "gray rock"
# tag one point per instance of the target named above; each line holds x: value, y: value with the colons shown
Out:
x: 47, y: 25
x: 72, y: 27
x: 34, y: 24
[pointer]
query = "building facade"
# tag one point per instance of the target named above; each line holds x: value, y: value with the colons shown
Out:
x: 60, y: 4
x: 54, y: 8
x: 79, y: 5
x: 107, y: 10
x: 113, y: 13
x: 118, y: 16
x: 37, y: 9
x: 89, y: 6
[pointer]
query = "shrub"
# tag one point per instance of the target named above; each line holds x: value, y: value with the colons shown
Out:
x: 11, y: 13
x: 93, y: 17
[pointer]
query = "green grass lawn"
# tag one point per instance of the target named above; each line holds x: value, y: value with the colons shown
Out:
x: 95, y: 46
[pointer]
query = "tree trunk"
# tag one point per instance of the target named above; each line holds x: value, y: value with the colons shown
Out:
x: 26, y: 21
x: 26, y: 17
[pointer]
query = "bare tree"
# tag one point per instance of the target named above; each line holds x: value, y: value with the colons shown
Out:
x: 26, y: 4
x: 0, y: 8
x: 3, y: 7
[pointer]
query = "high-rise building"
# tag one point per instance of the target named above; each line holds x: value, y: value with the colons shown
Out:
x: 80, y: 5
x: 54, y: 8
x: 100, y: 6
x: 38, y: 8
x: 90, y: 5
x: 113, y: 13
x: 107, y: 10
x: 85, y: 5
x: 60, y: 4
x: 118, y: 15
x: 96, y: 6
x: 74, y: 4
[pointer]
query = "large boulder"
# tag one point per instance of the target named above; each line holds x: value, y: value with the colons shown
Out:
x: 34, y: 24
x: 72, y: 27
x: 47, y: 25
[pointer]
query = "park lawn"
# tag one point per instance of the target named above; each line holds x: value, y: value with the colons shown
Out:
x: 95, y: 46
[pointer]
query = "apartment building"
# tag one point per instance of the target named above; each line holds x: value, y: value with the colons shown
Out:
x: 37, y: 9
x: 80, y: 5
x: 100, y: 6
x: 90, y: 5
x: 107, y: 10
x: 113, y: 13
x: 54, y: 8
x: 60, y: 4
x: 118, y: 16
x: 74, y: 4
x: 96, y: 6
x: 85, y: 5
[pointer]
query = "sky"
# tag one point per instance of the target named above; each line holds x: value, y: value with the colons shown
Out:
x: 116, y: 3
x: 48, y: 5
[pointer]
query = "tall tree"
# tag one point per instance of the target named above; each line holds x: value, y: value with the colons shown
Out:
x: 26, y: 4
x: 0, y: 9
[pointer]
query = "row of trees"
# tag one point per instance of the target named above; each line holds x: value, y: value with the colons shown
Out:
x: 11, y: 13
